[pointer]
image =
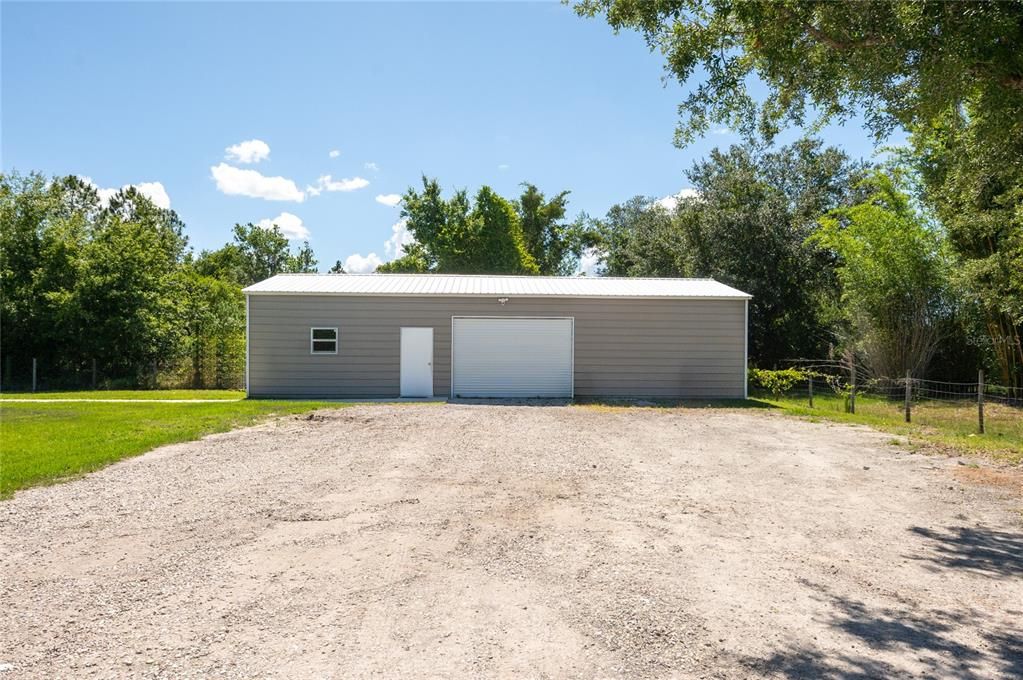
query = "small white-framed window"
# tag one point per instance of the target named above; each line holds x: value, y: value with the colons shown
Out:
x: 323, y: 340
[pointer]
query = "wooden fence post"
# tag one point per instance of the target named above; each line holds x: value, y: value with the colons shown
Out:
x: 980, y: 400
x: 33, y: 374
x: 809, y: 383
x: 909, y: 396
x: 852, y: 389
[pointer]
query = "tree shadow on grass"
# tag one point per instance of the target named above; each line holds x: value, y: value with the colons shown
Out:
x: 979, y: 550
x: 900, y: 641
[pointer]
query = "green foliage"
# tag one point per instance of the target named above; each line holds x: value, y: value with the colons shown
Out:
x: 414, y: 261
x: 638, y: 238
x: 778, y: 381
x: 84, y: 282
x: 976, y: 188
x: 894, y: 271
x: 903, y: 63
x: 548, y: 238
x: 486, y: 234
x: 264, y: 252
x: 213, y: 320
x: 747, y: 225
x: 496, y: 241
x: 257, y: 253
x: 81, y: 280
x: 303, y: 261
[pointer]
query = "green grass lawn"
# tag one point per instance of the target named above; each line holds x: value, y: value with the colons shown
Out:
x: 227, y: 395
x: 943, y: 424
x: 42, y: 443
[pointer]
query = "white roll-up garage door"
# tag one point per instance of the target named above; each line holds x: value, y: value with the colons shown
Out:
x: 511, y: 357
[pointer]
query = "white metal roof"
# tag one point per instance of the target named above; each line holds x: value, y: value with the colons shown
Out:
x: 453, y: 285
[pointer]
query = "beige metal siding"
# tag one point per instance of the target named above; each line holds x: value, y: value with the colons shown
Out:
x: 623, y: 347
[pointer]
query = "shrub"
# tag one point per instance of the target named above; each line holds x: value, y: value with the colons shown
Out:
x: 780, y: 381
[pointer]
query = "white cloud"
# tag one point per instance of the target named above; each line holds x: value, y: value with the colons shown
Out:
x: 503, y: 166
x: 154, y: 191
x: 389, y: 199
x: 589, y: 263
x: 251, y: 151
x: 238, y: 182
x: 400, y: 237
x: 394, y: 248
x: 334, y: 153
x: 372, y: 166
x: 328, y: 183
x: 357, y: 264
x: 289, y: 224
x: 105, y: 195
x: 671, y: 202
x: 723, y: 130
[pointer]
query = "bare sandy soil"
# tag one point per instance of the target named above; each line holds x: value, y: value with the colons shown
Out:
x: 468, y: 540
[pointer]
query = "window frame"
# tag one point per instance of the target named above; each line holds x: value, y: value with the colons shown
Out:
x: 337, y: 340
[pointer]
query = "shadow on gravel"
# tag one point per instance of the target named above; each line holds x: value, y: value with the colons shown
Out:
x: 980, y: 550
x: 927, y: 640
x: 677, y: 403
x: 620, y: 403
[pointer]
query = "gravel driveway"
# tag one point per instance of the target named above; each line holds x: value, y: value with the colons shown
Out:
x: 487, y: 540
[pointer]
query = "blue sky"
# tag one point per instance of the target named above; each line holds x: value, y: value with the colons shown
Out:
x: 484, y: 93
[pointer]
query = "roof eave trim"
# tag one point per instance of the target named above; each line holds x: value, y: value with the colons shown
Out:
x: 309, y: 293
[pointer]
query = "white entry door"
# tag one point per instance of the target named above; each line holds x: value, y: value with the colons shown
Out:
x: 512, y: 357
x: 417, y: 362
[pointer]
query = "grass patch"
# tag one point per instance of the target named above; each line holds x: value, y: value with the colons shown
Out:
x: 226, y: 395
x: 949, y: 425
x: 41, y: 443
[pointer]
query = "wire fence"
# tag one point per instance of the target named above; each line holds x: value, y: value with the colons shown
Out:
x: 979, y: 408
x: 211, y: 371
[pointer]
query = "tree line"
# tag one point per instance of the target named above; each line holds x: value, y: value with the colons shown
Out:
x: 115, y: 283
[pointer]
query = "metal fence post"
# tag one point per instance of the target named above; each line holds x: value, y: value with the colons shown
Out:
x: 909, y: 396
x: 852, y: 390
x: 980, y: 400
x: 33, y: 374
x: 809, y: 383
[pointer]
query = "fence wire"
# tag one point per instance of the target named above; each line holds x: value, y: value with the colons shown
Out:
x: 979, y: 407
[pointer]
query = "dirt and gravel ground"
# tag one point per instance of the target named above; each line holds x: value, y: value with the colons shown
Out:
x: 471, y: 540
